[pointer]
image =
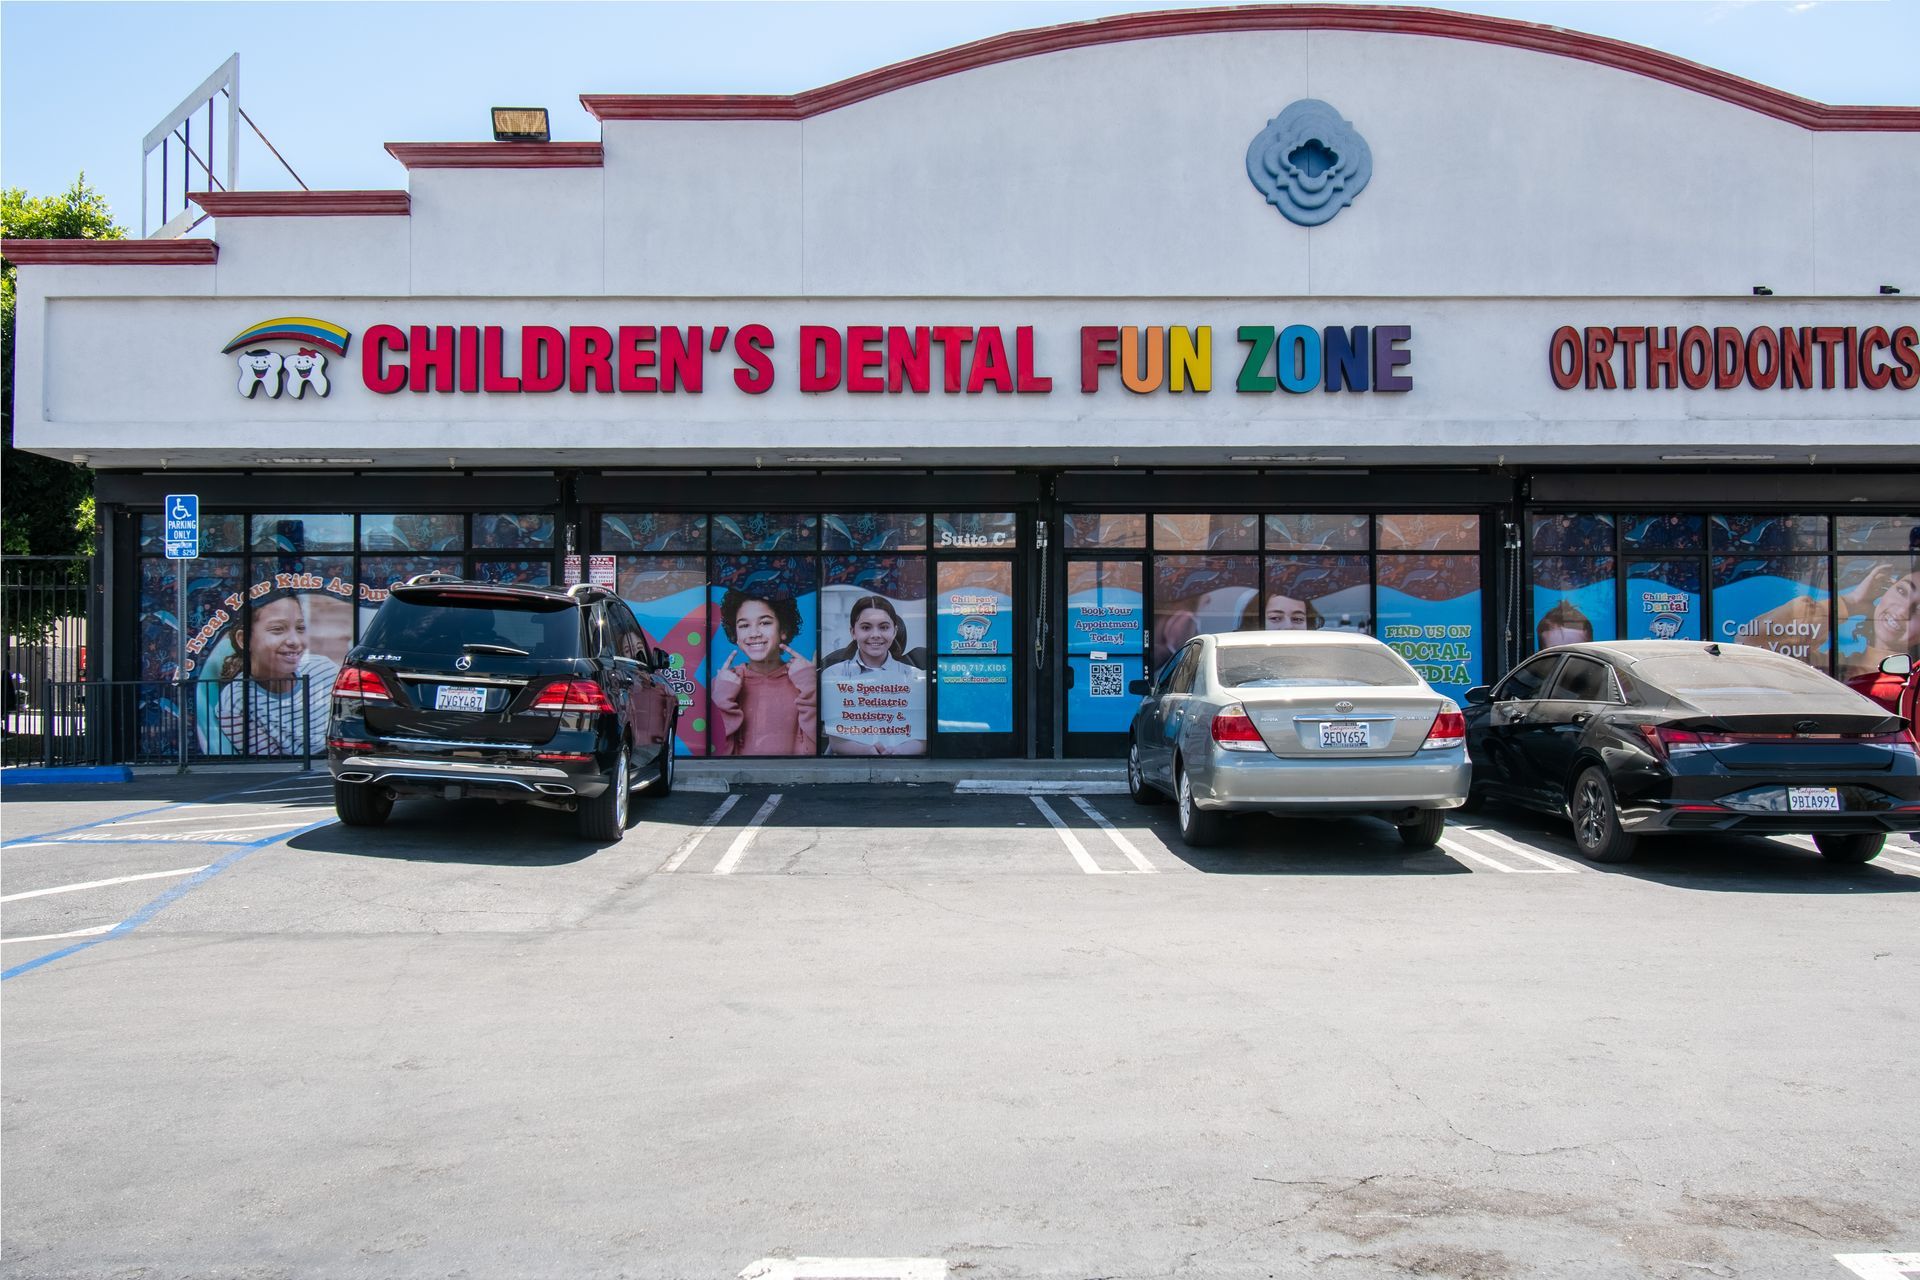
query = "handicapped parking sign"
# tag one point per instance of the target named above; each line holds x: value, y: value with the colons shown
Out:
x: 182, y: 517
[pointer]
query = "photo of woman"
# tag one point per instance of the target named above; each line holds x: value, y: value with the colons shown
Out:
x: 275, y: 691
x: 875, y: 700
x: 1880, y: 618
x: 766, y: 705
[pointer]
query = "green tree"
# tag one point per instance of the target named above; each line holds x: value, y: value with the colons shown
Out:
x: 49, y: 503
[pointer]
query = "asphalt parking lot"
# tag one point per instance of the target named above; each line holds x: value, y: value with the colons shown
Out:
x: 943, y: 1030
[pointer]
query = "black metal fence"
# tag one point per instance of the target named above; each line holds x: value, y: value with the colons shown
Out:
x: 167, y: 722
x: 43, y: 601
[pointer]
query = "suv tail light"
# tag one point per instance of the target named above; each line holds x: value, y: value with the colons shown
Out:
x: 1234, y: 730
x: 363, y: 683
x: 572, y: 695
x: 1449, y: 729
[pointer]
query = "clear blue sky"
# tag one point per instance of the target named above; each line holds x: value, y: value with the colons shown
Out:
x: 81, y: 83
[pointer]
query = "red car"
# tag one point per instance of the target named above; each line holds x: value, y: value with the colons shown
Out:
x: 1896, y: 687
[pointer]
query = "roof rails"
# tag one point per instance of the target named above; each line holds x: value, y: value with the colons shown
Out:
x: 428, y: 579
x: 584, y: 590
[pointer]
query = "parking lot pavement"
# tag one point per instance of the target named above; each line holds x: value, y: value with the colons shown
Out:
x: 1019, y: 1035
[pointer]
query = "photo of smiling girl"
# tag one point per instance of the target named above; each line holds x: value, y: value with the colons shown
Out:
x: 875, y: 699
x: 763, y: 696
x: 276, y: 691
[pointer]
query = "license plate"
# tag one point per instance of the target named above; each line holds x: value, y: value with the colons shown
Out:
x: 1346, y: 733
x: 1813, y: 799
x: 455, y: 697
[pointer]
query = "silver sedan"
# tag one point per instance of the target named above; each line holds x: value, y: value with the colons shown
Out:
x: 1301, y: 722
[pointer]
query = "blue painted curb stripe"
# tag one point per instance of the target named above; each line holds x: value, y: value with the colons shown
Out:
x: 31, y: 776
x: 141, y: 813
x: 160, y: 903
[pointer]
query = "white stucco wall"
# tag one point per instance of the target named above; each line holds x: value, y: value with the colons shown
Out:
x: 1512, y: 192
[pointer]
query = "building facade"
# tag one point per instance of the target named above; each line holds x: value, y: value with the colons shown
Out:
x: 1040, y: 355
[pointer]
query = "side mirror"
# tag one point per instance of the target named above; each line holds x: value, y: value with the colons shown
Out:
x: 1143, y: 686
x: 1900, y: 664
x: 1480, y: 695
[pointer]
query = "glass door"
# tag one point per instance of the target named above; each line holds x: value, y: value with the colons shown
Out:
x: 977, y: 679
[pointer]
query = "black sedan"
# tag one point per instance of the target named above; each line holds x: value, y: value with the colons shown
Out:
x: 1642, y: 737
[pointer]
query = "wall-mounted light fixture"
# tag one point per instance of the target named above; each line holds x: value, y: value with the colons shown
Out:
x: 1716, y: 457
x: 520, y: 124
x: 1761, y: 291
x: 1889, y: 288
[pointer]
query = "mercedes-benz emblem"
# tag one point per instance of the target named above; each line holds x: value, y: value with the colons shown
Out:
x: 462, y: 662
x: 1343, y: 707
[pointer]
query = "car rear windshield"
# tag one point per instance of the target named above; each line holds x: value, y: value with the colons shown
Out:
x: 1317, y: 664
x: 544, y: 629
x: 1732, y: 676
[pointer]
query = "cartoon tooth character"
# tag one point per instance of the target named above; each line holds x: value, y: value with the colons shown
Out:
x: 306, y: 368
x: 259, y: 369
x: 1664, y: 626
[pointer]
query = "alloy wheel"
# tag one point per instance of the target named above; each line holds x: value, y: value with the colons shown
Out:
x: 620, y: 792
x: 1590, y: 814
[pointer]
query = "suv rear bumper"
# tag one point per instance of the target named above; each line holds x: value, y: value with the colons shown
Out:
x: 425, y: 775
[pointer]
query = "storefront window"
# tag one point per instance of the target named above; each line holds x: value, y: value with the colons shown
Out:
x: 1572, y: 533
x: 532, y: 530
x: 668, y: 594
x: 1430, y: 612
x: 298, y: 535
x: 1102, y: 532
x: 765, y: 531
x: 763, y: 690
x: 1879, y: 608
x: 1663, y: 600
x: 378, y: 574
x: 1573, y: 599
x: 536, y: 573
x: 1307, y: 593
x: 1668, y: 532
x: 641, y: 531
x: 1877, y: 533
x: 875, y: 654
x: 219, y: 535
x: 976, y: 638
x: 1318, y: 532
x: 1774, y: 602
x: 413, y: 533
x: 873, y: 531
x: 1768, y: 535
x: 1106, y: 640
x: 1429, y: 533
x: 1196, y: 595
x: 1206, y: 533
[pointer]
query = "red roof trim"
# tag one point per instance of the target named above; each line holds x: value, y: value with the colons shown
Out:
x: 498, y: 155
x: 1151, y: 26
x: 110, y: 253
x: 303, y: 204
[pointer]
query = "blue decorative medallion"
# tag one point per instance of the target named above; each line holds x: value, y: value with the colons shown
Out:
x: 1309, y: 163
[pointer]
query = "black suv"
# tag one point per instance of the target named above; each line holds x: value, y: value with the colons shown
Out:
x: 472, y: 689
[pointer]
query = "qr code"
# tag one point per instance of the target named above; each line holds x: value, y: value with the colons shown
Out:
x: 1109, y: 680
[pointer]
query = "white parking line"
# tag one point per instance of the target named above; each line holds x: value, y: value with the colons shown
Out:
x: 1880, y: 1266
x: 1500, y: 841
x: 1120, y: 842
x: 301, y: 783
x: 1074, y: 847
x: 1460, y: 851
x: 203, y: 817
x: 692, y: 842
x: 731, y: 858
x: 1904, y: 863
x: 100, y: 884
x: 55, y: 937
x: 115, y: 829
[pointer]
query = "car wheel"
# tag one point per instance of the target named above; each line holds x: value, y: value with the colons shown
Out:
x: 603, y: 818
x: 1596, y: 819
x: 663, y: 785
x: 1197, y: 827
x: 1849, y: 848
x: 1137, y: 785
x: 361, y: 804
x: 1423, y: 832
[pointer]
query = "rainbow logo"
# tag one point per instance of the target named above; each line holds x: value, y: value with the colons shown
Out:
x: 302, y: 329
